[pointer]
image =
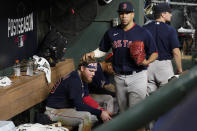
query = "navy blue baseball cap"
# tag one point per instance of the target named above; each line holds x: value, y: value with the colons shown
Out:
x: 125, y: 7
x: 162, y: 7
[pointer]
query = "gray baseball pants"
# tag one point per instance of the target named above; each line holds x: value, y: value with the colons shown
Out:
x: 71, y: 117
x: 130, y: 89
x: 158, y: 74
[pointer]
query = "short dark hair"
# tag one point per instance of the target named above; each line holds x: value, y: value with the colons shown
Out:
x: 160, y: 8
x: 157, y: 15
x: 86, y: 62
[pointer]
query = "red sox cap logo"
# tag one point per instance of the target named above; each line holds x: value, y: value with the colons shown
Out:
x: 124, y: 6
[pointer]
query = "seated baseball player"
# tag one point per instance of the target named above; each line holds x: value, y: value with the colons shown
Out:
x: 69, y: 100
x: 101, y: 81
x: 101, y: 89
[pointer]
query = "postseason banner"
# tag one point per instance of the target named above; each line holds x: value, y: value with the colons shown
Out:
x: 18, y: 31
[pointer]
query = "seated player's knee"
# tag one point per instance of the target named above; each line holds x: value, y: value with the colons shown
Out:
x: 108, y: 98
x: 86, y: 117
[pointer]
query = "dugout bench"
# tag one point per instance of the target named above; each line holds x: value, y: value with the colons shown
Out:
x: 26, y: 91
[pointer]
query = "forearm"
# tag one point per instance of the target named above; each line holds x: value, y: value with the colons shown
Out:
x: 177, y: 59
x: 91, y: 102
x: 110, y: 87
x: 85, y: 107
x: 94, y: 54
x: 152, y: 57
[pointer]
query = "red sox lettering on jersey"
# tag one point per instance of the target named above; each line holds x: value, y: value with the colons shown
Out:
x: 121, y: 43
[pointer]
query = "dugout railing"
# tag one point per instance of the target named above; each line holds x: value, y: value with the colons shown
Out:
x: 155, y: 105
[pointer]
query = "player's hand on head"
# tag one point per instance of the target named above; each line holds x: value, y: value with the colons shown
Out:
x: 90, y: 54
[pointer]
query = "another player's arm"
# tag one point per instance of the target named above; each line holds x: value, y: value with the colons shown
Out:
x: 177, y: 57
x: 96, y: 53
x: 110, y: 87
x: 152, y: 58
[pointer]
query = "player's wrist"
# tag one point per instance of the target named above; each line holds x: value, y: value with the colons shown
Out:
x: 100, y: 108
x: 179, y: 72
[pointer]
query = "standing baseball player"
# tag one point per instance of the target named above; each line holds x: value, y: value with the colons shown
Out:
x: 130, y: 78
x: 168, y: 47
x: 69, y: 101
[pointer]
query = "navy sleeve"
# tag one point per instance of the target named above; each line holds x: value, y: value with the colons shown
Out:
x: 86, y: 90
x: 75, y: 96
x: 106, y: 77
x: 105, y: 43
x: 150, y: 45
x: 173, y: 39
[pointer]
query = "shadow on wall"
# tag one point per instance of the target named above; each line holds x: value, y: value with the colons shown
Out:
x: 89, y: 38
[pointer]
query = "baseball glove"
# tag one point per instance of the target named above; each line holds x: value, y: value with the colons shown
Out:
x: 137, y: 51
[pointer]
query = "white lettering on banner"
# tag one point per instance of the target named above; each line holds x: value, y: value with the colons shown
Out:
x: 20, y: 25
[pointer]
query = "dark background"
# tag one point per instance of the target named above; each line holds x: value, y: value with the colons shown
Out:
x: 47, y: 14
x: 9, y: 50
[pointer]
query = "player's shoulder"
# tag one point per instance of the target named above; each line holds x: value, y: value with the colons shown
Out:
x: 71, y: 76
x: 139, y: 28
x: 149, y: 24
x: 114, y: 29
x: 166, y: 25
x: 170, y: 29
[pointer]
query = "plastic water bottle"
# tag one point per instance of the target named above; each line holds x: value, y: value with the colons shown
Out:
x: 17, y: 69
x: 30, y: 66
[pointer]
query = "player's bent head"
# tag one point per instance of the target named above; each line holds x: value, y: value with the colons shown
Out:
x: 89, y: 62
x: 87, y: 68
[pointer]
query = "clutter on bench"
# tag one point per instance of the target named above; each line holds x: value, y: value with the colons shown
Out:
x: 27, y: 91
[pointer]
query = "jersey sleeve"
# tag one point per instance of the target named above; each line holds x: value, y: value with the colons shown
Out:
x: 76, y: 95
x: 173, y: 39
x: 150, y: 45
x: 105, y: 43
x: 106, y: 78
x: 91, y: 102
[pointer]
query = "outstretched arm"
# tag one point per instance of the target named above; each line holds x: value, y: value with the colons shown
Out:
x: 96, y: 53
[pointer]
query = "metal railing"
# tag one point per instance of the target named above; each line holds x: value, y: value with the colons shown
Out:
x: 176, y: 3
x: 153, y: 106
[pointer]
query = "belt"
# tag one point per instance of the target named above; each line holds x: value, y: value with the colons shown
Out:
x: 163, y: 59
x: 128, y: 73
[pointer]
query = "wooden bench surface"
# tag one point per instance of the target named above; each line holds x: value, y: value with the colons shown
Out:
x: 27, y: 91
